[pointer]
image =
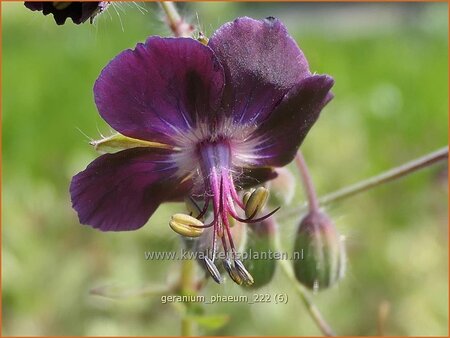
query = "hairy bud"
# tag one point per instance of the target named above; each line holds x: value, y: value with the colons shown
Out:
x: 282, y: 187
x: 320, y: 252
x: 260, y: 244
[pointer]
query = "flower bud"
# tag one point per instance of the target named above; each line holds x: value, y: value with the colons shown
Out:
x: 256, y: 201
x: 185, y: 225
x: 319, y: 252
x: 260, y: 245
x: 282, y: 187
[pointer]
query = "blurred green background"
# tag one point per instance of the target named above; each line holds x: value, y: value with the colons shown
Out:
x: 391, y: 97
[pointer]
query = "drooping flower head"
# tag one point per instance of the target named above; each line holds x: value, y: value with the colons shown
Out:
x: 78, y: 11
x: 206, y: 121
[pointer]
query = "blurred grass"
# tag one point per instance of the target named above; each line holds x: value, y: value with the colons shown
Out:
x: 391, y: 99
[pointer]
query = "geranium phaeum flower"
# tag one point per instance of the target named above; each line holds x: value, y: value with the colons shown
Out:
x: 222, y: 115
x: 78, y: 11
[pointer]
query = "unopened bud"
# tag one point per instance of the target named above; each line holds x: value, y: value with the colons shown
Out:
x: 186, y: 225
x: 319, y: 252
x: 282, y: 187
x: 260, y: 245
x: 256, y: 201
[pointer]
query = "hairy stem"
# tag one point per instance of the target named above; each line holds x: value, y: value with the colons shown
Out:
x: 177, y: 25
x: 307, y: 301
x: 307, y: 182
x: 312, y: 309
x: 385, y: 177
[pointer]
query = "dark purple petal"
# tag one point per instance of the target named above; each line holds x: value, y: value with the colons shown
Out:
x: 261, y: 62
x: 159, y: 88
x: 34, y: 6
x: 280, y: 136
x: 78, y: 11
x: 120, y: 191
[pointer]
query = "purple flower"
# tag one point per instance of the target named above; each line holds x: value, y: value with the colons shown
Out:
x: 78, y: 11
x: 222, y: 115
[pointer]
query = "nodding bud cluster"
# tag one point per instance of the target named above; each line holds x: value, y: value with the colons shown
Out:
x: 321, y: 251
x: 260, y: 245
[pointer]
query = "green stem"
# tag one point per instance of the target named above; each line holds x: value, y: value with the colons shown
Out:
x: 312, y: 309
x: 187, y: 327
x: 307, y: 301
x: 179, y: 27
x: 187, y: 280
x: 385, y: 177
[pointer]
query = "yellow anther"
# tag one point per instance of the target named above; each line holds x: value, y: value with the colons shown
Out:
x: 232, y: 272
x: 236, y: 277
x: 202, y: 38
x: 256, y: 201
x: 243, y: 273
x: 61, y: 5
x: 192, y: 208
x: 247, y: 196
x: 184, y: 224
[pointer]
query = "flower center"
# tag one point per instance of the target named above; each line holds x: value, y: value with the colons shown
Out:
x: 216, y: 170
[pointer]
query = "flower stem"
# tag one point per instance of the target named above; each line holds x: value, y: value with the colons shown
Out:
x: 307, y: 182
x: 177, y: 25
x: 385, y: 177
x: 187, y: 327
x: 187, y: 280
x: 307, y: 301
